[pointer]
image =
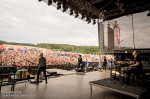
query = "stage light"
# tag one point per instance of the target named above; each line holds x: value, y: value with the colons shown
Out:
x: 89, y: 21
x: 71, y: 12
x: 49, y: 2
x: 64, y: 8
x: 58, y: 6
x: 87, y: 18
x: 83, y: 16
x: 76, y: 14
x: 148, y: 14
x: 94, y: 21
x: 54, y: 1
x: 104, y: 20
x: 40, y: 0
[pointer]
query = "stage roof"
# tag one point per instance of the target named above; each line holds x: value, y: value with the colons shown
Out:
x: 100, y: 9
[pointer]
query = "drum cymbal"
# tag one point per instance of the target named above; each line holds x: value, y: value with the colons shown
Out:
x: 127, y: 67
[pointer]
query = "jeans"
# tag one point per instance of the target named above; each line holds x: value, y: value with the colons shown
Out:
x: 39, y: 71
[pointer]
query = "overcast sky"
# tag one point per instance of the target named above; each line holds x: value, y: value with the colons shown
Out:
x: 31, y: 21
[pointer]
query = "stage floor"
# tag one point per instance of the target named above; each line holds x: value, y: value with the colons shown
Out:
x: 68, y: 86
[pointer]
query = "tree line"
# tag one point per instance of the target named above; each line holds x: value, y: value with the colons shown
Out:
x: 60, y: 47
x: 14, y: 43
x: 63, y: 47
x: 70, y: 48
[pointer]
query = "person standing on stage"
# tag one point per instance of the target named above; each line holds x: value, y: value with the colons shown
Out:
x: 41, y: 67
x: 80, y: 62
x: 110, y: 63
x: 104, y: 63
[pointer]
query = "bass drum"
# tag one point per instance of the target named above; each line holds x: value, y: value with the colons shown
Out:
x: 115, y: 73
x: 125, y: 75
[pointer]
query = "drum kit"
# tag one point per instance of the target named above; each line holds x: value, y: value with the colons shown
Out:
x: 121, y: 73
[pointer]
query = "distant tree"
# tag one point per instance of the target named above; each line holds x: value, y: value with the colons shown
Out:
x: 64, y: 47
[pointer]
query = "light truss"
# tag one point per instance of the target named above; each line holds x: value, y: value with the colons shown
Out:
x: 101, y: 37
x: 71, y: 8
x: 113, y: 12
x: 95, y: 1
x: 102, y: 13
x: 137, y: 6
x: 120, y: 5
x: 88, y: 7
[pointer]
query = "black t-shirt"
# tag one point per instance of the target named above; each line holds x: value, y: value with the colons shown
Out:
x: 105, y: 61
x: 79, y: 60
x: 137, y: 59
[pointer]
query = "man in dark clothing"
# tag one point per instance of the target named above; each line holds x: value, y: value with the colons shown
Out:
x: 136, y: 68
x: 41, y: 67
x: 104, y: 63
x: 80, y: 62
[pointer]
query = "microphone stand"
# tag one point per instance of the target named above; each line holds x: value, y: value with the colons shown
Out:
x: 111, y: 69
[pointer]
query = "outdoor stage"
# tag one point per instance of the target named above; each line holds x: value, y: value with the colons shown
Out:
x: 67, y: 86
x: 113, y: 85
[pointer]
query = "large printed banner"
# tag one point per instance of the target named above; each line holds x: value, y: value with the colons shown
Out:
x: 118, y: 36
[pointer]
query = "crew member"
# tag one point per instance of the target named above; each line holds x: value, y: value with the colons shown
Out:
x: 80, y: 62
x: 104, y: 63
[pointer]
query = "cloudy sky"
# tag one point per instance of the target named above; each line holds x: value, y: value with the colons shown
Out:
x: 30, y: 21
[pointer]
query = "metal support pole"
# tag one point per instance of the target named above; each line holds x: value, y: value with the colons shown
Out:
x: 91, y: 87
x: 101, y: 37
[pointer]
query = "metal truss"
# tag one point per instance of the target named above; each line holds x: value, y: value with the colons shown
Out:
x: 131, y: 50
x: 68, y: 10
x: 101, y: 37
x: 95, y: 1
x: 113, y: 12
x: 133, y: 7
x: 120, y: 5
x: 137, y: 6
x: 83, y: 4
x: 88, y: 7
